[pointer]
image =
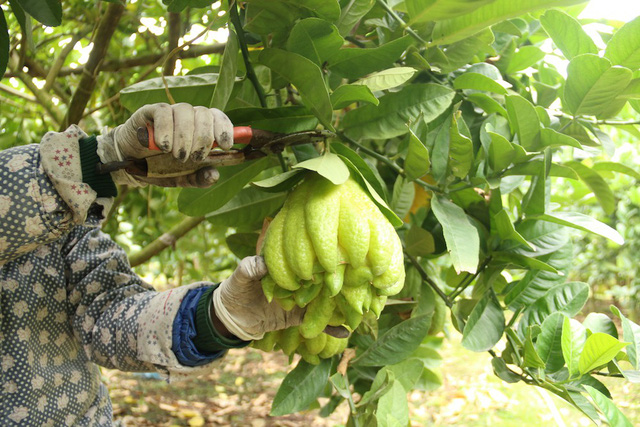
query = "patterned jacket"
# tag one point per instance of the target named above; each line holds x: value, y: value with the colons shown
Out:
x: 69, y: 300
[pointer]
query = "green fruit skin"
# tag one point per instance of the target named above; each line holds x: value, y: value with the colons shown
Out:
x: 273, y: 254
x: 289, y: 340
x: 312, y: 359
x: 316, y: 345
x: 267, y: 342
x: 380, y: 244
x: 355, y: 297
x: 395, y: 274
x: 337, y: 318
x: 268, y: 287
x: 353, y: 231
x: 356, y: 277
x: 287, y: 303
x: 377, y: 304
x: 306, y: 294
x: 333, y: 281
x: 353, y: 317
x: 322, y: 219
x: 317, y: 316
x: 333, y: 346
x: 298, y: 249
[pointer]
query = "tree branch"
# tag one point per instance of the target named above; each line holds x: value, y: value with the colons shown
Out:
x: 13, y: 92
x: 59, y: 62
x: 425, y: 277
x: 43, y: 98
x: 104, y: 32
x: 174, y: 35
x: 164, y: 241
x: 399, y: 20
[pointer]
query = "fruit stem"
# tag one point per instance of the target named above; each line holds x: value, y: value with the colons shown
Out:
x: 430, y: 282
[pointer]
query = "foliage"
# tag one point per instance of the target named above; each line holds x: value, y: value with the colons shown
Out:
x: 453, y: 118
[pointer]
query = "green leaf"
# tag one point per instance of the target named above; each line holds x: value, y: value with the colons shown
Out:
x: 242, y: 244
x: 329, y: 166
x: 592, y: 84
x: 417, y: 162
x: 523, y: 58
x: 462, y: 52
x: 460, y: 148
x: 49, y: 12
x: 403, y: 194
x: 396, y: 344
x: 479, y: 81
x: 458, y: 28
x: 4, y: 44
x: 567, y: 298
x: 361, y: 166
x: 616, y: 167
x: 351, y: 14
x: 384, y: 380
x: 315, y: 39
x: 599, y: 350
x: 506, y: 230
x: 501, y: 152
x: 356, y: 62
x: 597, y: 184
x: 532, y: 167
x: 305, y: 76
x: 281, y: 119
x: 195, y: 89
x: 201, y: 201
x: 460, y: 235
x: 228, y: 70
x: 387, y: 79
x: 488, y: 104
x: 599, y: 322
x: 552, y: 138
x: 280, y: 182
x: 393, y: 407
x: 247, y: 208
x: 301, y: 387
x: 574, y: 336
x: 531, y: 357
x: 524, y: 121
x: 567, y: 33
x: 437, y: 10
x: 583, y: 222
x: 346, y: 95
x: 390, y: 117
x: 631, y: 334
x: 523, y: 261
x: 419, y: 242
x: 549, y: 342
x: 612, y: 414
x: 485, y: 325
x: 501, y: 371
x: 545, y: 238
x: 407, y: 372
x: 624, y: 47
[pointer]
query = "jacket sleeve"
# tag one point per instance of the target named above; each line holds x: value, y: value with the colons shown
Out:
x: 42, y: 193
x: 120, y: 321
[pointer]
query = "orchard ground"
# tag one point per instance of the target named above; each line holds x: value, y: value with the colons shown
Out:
x: 241, y: 391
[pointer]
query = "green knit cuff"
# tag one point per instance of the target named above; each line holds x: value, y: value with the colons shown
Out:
x: 101, y: 184
x: 207, y: 338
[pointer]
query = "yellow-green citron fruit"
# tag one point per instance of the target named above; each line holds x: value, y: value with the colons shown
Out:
x: 317, y: 316
x: 356, y: 277
x: 333, y: 346
x: 298, y: 249
x: 286, y: 303
x: 322, y: 213
x: 352, y: 316
x: 267, y: 342
x: 337, y: 318
x: 289, y: 340
x: 380, y: 244
x: 353, y: 232
x: 315, y: 345
x: 377, y: 304
x: 356, y: 297
x: 395, y: 273
x: 268, y: 287
x: 273, y: 254
x: 306, y: 293
x: 333, y: 281
x: 312, y: 359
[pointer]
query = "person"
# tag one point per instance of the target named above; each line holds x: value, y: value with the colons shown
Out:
x: 69, y: 300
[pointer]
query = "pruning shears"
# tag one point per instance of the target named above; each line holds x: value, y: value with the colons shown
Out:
x: 258, y: 143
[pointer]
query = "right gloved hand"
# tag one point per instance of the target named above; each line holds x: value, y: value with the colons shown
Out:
x: 185, y: 131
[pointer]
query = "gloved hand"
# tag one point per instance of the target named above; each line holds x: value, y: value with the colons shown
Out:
x: 242, y: 307
x: 185, y: 131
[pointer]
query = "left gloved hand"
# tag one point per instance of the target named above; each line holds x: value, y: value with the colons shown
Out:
x: 242, y: 307
x: 184, y: 131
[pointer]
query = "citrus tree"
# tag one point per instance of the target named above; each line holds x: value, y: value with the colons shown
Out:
x: 460, y: 119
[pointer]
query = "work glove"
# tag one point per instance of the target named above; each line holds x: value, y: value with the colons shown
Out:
x: 242, y: 307
x: 184, y: 131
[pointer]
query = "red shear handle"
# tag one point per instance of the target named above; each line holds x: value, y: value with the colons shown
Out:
x: 241, y: 135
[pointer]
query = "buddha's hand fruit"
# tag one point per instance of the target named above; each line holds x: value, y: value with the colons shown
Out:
x: 331, y: 251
